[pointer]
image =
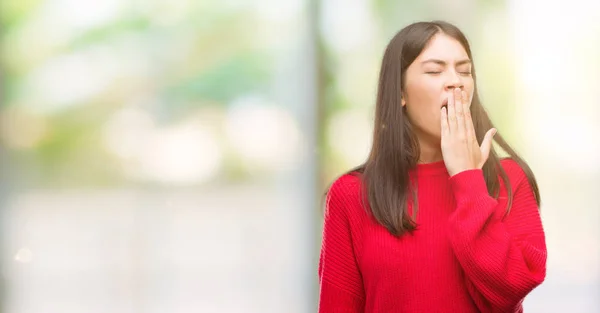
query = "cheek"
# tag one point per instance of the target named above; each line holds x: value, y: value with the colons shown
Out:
x: 470, y: 91
x: 423, y: 104
x: 425, y: 116
x: 423, y: 93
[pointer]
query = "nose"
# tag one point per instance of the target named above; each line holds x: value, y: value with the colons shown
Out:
x: 453, y: 81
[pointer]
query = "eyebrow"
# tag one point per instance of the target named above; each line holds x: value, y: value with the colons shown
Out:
x: 441, y: 62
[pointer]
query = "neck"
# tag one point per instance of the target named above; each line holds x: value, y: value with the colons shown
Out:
x: 431, y: 151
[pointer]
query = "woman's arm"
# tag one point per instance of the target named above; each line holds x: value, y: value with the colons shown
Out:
x: 341, y: 287
x: 503, y: 260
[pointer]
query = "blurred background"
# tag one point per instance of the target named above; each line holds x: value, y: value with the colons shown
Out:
x: 170, y: 156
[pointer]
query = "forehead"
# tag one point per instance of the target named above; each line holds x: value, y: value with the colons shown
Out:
x: 443, y: 47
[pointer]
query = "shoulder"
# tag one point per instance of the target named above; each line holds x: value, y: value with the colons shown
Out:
x: 516, y: 173
x: 512, y: 168
x: 347, y: 186
x: 344, y: 193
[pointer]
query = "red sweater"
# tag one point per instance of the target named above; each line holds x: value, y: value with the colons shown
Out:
x: 462, y: 258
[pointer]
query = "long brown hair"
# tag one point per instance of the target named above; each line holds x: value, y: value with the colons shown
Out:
x: 395, y: 150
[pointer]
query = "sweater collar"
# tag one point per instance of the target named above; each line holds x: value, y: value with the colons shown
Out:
x: 431, y: 169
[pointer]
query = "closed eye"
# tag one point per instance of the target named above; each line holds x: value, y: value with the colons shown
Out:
x: 435, y: 73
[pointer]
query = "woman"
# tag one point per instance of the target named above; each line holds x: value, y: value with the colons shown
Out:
x: 432, y: 221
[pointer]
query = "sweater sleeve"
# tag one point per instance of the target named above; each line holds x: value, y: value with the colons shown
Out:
x: 341, y: 287
x: 503, y: 259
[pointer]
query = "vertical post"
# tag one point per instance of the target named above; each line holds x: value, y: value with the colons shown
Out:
x: 3, y: 181
x: 314, y: 19
x: 298, y: 88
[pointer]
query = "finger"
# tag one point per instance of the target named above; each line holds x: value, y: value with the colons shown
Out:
x: 444, y: 123
x: 469, y: 127
x: 465, y: 101
x: 468, y: 100
x: 459, y: 111
x: 451, y: 113
x: 486, y: 145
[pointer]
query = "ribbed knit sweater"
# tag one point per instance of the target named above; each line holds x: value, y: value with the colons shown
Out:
x: 463, y: 257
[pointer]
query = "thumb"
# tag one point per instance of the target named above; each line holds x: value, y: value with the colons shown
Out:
x: 486, y: 145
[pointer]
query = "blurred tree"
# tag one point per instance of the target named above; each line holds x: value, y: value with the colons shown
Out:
x: 170, y: 66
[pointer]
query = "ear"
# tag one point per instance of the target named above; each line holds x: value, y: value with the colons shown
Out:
x: 402, y: 99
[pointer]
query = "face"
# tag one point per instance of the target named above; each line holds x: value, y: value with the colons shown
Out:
x: 442, y: 66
